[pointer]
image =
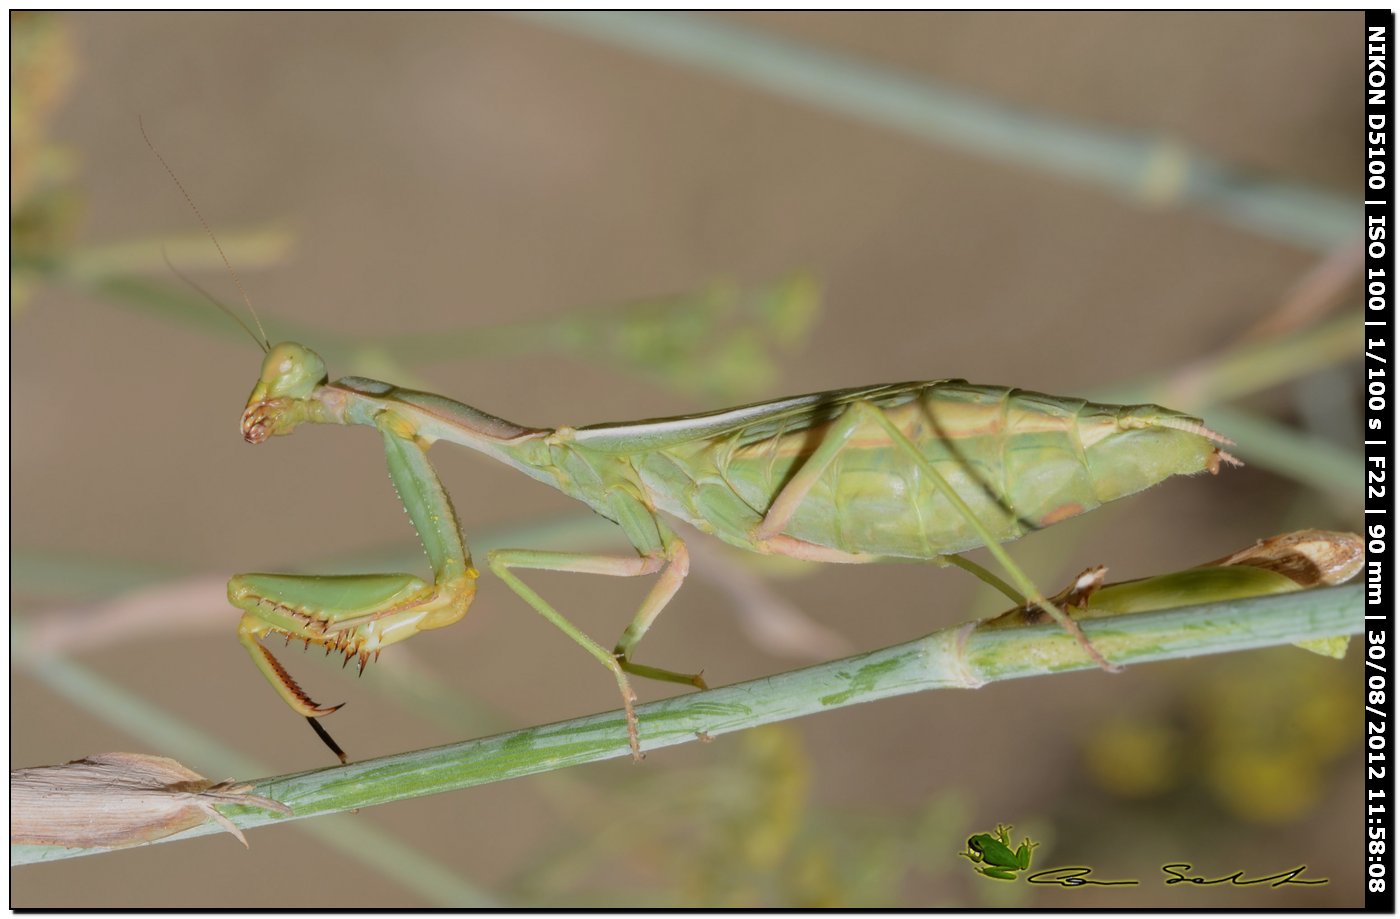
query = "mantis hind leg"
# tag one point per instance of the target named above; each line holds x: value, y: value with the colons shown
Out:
x: 860, y: 414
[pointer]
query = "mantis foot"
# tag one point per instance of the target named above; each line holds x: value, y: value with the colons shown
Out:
x: 1076, y: 596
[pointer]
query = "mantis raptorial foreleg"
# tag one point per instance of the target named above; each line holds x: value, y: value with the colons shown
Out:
x: 860, y: 414
x: 357, y: 615
x: 669, y: 558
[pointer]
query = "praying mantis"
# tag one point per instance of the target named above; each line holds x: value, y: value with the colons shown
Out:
x: 911, y: 470
x: 919, y: 471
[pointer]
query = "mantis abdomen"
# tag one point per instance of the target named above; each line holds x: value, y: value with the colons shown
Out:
x: 1020, y: 460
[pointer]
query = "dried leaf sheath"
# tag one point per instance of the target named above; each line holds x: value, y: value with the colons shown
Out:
x: 1300, y: 560
x: 113, y: 800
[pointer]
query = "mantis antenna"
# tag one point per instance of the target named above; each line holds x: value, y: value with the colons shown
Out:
x: 211, y: 298
x: 261, y: 335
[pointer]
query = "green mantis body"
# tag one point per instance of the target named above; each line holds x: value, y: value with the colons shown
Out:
x: 913, y: 470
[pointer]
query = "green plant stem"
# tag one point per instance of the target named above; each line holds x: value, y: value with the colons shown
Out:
x: 966, y: 656
x: 374, y: 849
x: 1244, y: 369
x: 1302, y: 457
x: 1141, y: 167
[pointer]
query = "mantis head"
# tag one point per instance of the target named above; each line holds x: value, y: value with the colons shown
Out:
x: 290, y: 374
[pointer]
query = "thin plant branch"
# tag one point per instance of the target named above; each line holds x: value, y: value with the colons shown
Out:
x: 368, y: 846
x: 965, y: 657
x: 1151, y: 170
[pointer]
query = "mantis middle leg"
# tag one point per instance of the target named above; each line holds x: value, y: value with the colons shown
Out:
x: 659, y: 550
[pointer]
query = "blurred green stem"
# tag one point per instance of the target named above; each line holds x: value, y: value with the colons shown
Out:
x: 358, y: 841
x: 963, y: 657
x: 1243, y: 370
x: 1153, y: 170
x: 1288, y: 452
x: 1246, y: 369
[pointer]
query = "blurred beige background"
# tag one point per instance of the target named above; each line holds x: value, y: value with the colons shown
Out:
x: 450, y: 171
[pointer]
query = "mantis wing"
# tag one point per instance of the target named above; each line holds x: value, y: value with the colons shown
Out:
x: 758, y: 421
